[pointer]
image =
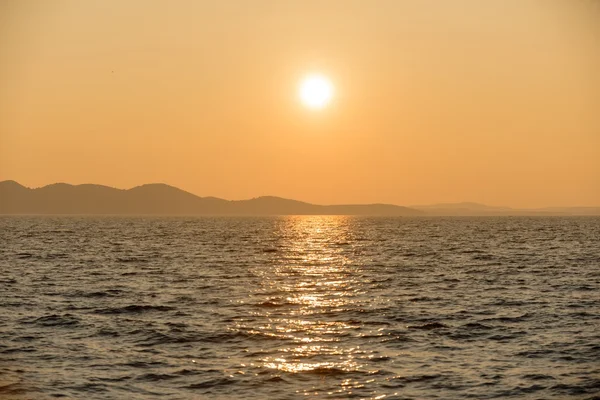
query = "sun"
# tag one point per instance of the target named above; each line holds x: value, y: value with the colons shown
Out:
x: 316, y: 91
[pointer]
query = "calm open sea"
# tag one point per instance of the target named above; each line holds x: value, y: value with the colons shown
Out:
x: 290, y: 307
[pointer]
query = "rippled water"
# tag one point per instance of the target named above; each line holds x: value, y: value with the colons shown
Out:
x: 278, y: 308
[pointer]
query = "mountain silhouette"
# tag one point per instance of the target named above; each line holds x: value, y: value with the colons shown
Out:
x: 468, y: 209
x: 162, y: 199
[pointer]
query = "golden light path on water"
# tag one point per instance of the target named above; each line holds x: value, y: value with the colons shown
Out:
x: 308, y: 296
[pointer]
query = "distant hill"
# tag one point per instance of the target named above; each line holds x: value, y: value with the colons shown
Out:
x: 463, y: 209
x: 161, y: 199
x: 572, y: 210
x: 476, y: 209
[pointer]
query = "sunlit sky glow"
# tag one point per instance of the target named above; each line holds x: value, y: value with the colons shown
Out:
x: 488, y: 101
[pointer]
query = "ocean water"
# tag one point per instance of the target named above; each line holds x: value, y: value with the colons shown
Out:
x: 299, y: 307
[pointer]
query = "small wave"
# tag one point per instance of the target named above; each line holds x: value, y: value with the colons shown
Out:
x: 10, y: 387
x: 583, y: 315
x: 144, y: 364
x: 91, y: 387
x: 538, y: 377
x: 187, y: 372
x: 470, y: 331
x: 24, y: 255
x: 508, y: 303
x: 59, y: 231
x: 107, y: 332
x: 415, y: 378
x: 508, y: 337
x: 11, y: 350
x: 56, y: 255
x: 585, y: 288
x: 56, y: 320
x: 269, y: 304
x: 273, y: 304
x: 132, y: 259
x: 243, y: 335
x: 155, y: 377
x: 380, y: 359
x: 25, y: 338
x: 118, y: 379
x: 423, y: 298
x: 586, y: 387
x: 96, y: 294
x: 476, y: 325
x: 212, y: 383
x: 534, y: 353
x: 325, y: 371
x: 518, y: 318
x: 133, y: 309
x: 429, y: 326
x: 530, y: 389
x: 157, y: 338
x: 275, y: 379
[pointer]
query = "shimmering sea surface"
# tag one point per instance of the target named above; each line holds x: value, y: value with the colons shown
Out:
x: 299, y: 307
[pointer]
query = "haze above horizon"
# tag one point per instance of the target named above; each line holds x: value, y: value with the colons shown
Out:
x: 418, y: 103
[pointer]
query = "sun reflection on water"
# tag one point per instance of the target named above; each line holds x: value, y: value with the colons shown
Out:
x: 303, y: 291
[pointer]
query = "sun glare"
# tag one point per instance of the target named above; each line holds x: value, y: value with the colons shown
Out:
x: 316, y: 91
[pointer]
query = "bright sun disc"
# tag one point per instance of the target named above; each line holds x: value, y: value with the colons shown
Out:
x: 316, y: 91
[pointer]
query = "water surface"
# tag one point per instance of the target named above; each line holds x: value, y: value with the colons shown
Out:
x: 284, y: 307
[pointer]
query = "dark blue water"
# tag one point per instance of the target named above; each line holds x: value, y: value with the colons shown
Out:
x: 295, y: 307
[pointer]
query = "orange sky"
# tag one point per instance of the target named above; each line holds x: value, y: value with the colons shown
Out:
x: 435, y: 101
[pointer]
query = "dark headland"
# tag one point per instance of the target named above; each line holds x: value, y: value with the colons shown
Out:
x: 162, y: 199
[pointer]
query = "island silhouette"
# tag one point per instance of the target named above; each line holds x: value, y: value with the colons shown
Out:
x: 163, y: 199
x: 158, y: 198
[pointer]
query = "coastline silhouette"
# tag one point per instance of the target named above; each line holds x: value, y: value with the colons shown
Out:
x: 163, y: 199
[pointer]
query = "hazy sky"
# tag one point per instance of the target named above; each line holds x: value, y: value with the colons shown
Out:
x: 493, y: 101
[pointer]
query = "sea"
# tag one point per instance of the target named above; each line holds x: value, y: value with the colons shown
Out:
x: 293, y: 307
